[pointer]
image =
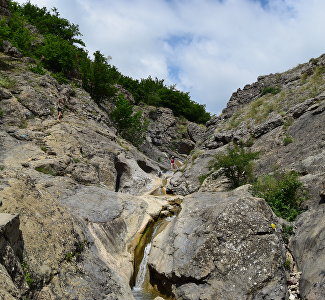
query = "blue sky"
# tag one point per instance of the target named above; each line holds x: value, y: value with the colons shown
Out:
x: 209, y: 48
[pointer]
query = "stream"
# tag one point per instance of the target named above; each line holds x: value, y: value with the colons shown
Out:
x: 140, y: 290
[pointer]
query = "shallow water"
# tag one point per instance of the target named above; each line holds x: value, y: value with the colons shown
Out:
x: 140, y: 294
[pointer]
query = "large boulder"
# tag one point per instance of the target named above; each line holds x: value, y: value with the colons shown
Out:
x: 221, y: 246
x: 9, y: 49
x: 308, y: 248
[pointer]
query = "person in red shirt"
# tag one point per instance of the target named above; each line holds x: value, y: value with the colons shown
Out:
x: 172, y: 163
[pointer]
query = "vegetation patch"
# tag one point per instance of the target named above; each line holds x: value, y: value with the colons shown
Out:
x: 47, y: 170
x: 182, y: 128
x: 288, y: 122
x: 201, y: 178
x: 43, y: 148
x: 236, y: 165
x: 27, y: 273
x: 288, y: 139
x: 195, y: 155
x: 7, y: 82
x: 38, y: 69
x: 132, y: 126
x: 287, y: 264
x: 271, y: 90
x: 287, y: 231
x: 283, y: 192
x: 1, y: 113
x: 76, y: 253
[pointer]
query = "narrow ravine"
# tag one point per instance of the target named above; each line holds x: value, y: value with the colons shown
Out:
x: 141, y: 287
x: 140, y: 291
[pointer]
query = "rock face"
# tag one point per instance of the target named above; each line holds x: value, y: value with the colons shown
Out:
x: 169, y: 135
x: 11, y: 253
x: 89, y: 233
x: 4, y: 8
x: 221, y: 246
x: 61, y: 178
x: 281, y: 116
x: 308, y: 248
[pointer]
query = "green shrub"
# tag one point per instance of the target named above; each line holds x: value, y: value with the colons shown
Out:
x: 27, y: 273
x: 43, y: 148
x: 60, y: 77
x: 23, y: 124
x: 46, y: 170
x: 288, y: 139
x: 201, y: 178
x: 236, y: 165
x: 283, y: 192
x: 288, y: 122
x: 287, y: 264
x: 38, y: 69
x: 1, y: 113
x: 287, y: 231
x: 77, y: 252
x: 270, y: 90
x: 6, y: 82
x: 131, y: 126
x: 69, y: 256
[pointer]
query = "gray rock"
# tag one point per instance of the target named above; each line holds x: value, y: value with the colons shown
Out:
x: 301, y: 108
x: 4, y: 94
x: 4, y: 11
x: 9, y: 49
x: 83, y: 173
x: 221, y: 246
x: 11, y: 253
x: 168, y: 135
x: 195, y: 131
x: 308, y: 248
x: 39, y: 103
x: 184, y: 146
x: 322, y: 193
x: 269, y: 125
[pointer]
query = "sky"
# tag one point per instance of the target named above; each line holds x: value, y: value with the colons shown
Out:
x: 208, y: 48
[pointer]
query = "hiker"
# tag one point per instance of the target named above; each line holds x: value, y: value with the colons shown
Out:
x: 172, y: 163
x: 60, y: 106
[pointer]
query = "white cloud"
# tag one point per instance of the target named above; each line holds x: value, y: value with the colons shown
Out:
x: 212, y: 47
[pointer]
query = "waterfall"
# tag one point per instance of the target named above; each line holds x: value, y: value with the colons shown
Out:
x: 142, y: 268
x: 139, y: 292
x: 143, y: 265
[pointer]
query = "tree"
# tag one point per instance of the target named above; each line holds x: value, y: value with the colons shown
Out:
x: 98, y: 77
x: 236, y: 165
x: 130, y: 125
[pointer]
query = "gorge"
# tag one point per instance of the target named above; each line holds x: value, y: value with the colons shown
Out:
x: 76, y: 199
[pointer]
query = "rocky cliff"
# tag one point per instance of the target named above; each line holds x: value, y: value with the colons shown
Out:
x: 281, y: 116
x: 62, y: 178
